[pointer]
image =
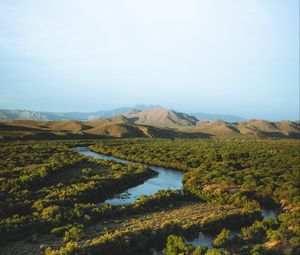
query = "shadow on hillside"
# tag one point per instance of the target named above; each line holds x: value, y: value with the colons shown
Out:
x: 5, y: 127
x: 279, y: 135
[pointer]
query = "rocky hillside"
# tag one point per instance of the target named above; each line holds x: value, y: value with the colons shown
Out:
x: 161, y: 117
x: 86, y: 116
x: 250, y: 128
x: 117, y: 128
x: 147, y: 122
x: 122, y: 127
x: 61, y: 116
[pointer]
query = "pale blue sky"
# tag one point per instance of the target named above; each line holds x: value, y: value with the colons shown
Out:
x: 219, y: 56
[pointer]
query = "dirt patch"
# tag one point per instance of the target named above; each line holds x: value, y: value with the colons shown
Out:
x: 30, y: 247
x: 70, y: 175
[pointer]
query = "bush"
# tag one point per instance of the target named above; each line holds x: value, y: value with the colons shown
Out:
x: 74, y: 234
x: 217, y: 252
x: 176, y: 245
x: 222, y: 238
x: 60, y: 231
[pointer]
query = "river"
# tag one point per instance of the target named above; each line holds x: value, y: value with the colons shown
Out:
x: 166, y: 179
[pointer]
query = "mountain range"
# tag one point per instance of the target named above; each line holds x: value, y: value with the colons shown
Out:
x: 61, y: 116
x: 149, y: 122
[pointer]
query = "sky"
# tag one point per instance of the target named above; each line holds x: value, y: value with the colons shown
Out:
x: 217, y: 56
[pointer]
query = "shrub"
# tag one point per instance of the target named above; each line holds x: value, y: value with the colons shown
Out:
x: 222, y: 238
x: 176, y: 245
x: 74, y: 234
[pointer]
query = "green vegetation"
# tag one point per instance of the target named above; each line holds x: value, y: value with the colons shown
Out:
x: 176, y: 245
x: 268, y: 169
x: 222, y: 239
x: 53, y: 196
x: 135, y: 234
x: 75, y: 233
x: 257, y: 231
x: 239, y: 172
x: 33, y: 199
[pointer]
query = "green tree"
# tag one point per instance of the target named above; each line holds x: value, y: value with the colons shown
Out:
x: 217, y: 252
x: 199, y: 251
x: 74, y: 234
x: 222, y: 238
x: 177, y: 246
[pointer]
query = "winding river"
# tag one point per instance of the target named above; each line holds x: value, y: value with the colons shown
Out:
x: 166, y: 179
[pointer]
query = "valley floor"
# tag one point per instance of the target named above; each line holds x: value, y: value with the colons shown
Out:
x: 53, y: 198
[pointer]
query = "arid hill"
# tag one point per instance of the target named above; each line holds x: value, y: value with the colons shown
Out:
x: 121, y: 127
x: 161, y: 117
x: 250, y: 128
x: 6, y: 115
x: 117, y: 128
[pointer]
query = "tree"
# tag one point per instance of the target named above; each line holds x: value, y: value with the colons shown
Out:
x: 199, y: 251
x: 217, y: 252
x: 222, y: 238
x: 177, y: 246
x: 52, y: 214
x: 74, y: 234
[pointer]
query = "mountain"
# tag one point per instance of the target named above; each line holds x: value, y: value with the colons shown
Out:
x: 146, y: 121
x: 264, y: 128
x: 160, y: 117
x: 250, y: 128
x: 22, y: 115
x: 60, y: 116
x: 104, y: 128
x: 121, y: 127
x: 55, y: 116
x: 218, y: 128
x: 210, y: 116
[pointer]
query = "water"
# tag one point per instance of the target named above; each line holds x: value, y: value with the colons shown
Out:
x: 269, y: 213
x: 166, y: 179
x: 202, y: 240
x: 207, y: 239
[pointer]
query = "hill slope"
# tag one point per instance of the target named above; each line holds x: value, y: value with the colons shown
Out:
x: 27, y: 129
x: 251, y: 128
x: 61, y: 116
x: 86, y: 116
x: 121, y: 127
x: 160, y: 117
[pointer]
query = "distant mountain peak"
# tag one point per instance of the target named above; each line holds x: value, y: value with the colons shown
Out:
x: 161, y: 117
x: 223, y: 117
x: 134, y: 111
x: 143, y: 107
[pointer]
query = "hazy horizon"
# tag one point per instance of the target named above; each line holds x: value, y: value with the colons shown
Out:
x: 154, y: 106
x: 224, y: 57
